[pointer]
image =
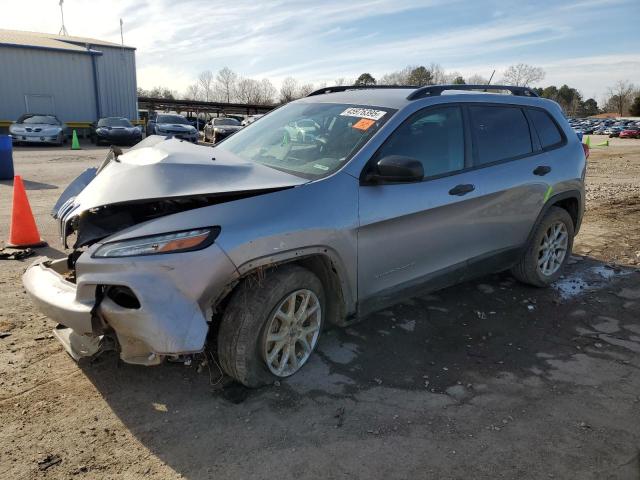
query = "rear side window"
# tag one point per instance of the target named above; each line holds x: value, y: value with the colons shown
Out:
x: 547, y: 130
x: 499, y: 133
x: 434, y: 136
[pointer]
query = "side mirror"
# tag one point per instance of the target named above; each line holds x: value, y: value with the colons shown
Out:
x: 396, y: 169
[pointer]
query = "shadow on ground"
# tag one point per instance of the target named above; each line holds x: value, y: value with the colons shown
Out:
x: 446, y: 350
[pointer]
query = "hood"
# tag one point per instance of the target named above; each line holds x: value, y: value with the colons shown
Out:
x: 159, y: 169
x: 228, y: 127
x: 34, y: 126
x: 165, y: 171
x: 176, y: 126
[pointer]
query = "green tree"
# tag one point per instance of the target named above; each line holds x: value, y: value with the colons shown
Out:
x: 420, y: 77
x: 635, y: 107
x: 590, y: 107
x: 459, y: 80
x: 365, y: 79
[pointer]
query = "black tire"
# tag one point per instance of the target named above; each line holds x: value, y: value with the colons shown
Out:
x: 527, y: 270
x: 244, y: 320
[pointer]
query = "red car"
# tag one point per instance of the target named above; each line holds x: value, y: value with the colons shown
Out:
x: 630, y: 133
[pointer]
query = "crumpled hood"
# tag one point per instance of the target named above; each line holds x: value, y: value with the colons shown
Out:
x: 158, y: 177
x: 160, y: 169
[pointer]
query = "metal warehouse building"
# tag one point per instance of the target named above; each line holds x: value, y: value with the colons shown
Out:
x: 77, y: 79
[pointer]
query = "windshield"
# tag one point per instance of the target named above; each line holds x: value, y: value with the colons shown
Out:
x: 172, y: 119
x: 226, y: 121
x: 46, y: 119
x: 114, y: 122
x: 310, y: 140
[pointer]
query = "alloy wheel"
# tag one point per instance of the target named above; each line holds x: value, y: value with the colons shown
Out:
x: 553, y: 249
x: 292, y: 333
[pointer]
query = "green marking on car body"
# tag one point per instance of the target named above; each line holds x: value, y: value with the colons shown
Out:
x: 547, y: 194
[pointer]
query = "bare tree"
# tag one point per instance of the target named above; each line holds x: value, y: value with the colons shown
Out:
x: 267, y: 92
x: 401, y: 77
x: 522, y: 75
x: 192, y: 92
x: 305, y: 90
x: 288, y: 90
x: 477, y: 80
x: 438, y: 75
x: 205, y: 83
x: 620, y: 97
x: 225, y: 85
x: 248, y: 91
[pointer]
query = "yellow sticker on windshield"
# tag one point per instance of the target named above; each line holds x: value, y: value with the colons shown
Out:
x: 363, y: 124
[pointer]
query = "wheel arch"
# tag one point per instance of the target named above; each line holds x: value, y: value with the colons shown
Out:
x: 322, y: 261
x: 571, y: 201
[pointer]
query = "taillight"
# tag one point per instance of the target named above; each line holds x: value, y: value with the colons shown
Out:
x: 585, y: 147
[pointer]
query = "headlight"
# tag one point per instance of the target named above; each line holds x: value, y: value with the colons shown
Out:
x: 220, y: 130
x: 52, y: 131
x: 175, y: 242
x: 16, y: 129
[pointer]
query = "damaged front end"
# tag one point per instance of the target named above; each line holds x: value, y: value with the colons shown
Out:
x: 154, y: 294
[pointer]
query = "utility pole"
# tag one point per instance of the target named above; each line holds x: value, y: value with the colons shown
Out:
x: 121, y: 35
x: 63, y: 29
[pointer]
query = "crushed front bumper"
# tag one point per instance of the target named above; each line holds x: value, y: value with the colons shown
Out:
x: 174, y: 293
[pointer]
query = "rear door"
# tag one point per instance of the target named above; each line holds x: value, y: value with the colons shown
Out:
x: 509, y: 171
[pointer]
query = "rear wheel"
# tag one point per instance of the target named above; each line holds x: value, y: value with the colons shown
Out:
x: 271, y: 326
x: 548, y: 250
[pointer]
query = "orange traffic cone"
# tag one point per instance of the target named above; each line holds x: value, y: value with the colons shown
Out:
x: 23, y: 231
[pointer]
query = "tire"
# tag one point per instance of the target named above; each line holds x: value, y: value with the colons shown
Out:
x: 528, y: 270
x: 252, y: 307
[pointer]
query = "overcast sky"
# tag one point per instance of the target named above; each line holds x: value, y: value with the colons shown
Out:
x: 588, y: 44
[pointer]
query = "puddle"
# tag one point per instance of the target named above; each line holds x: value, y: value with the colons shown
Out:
x: 584, y: 280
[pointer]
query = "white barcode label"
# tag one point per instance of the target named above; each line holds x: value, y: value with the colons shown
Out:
x: 364, y: 113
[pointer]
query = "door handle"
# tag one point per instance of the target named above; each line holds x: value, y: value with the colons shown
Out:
x: 462, y: 189
x: 542, y: 170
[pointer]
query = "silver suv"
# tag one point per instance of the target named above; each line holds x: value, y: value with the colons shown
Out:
x: 327, y: 209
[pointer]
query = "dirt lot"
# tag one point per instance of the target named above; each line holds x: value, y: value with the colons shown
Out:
x: 490, y: 379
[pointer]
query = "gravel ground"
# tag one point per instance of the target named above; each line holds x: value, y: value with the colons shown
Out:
x: 489, y: 379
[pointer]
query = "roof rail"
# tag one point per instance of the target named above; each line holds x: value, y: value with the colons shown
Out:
x: 435, y: 90
x: 344, y: 88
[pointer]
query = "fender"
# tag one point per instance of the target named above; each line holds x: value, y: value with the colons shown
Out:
x: 346, y: 292
x: 575, y: 194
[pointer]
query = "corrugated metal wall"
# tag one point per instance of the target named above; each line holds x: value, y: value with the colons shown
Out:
x: 66, y: 76
x: 117, y: 82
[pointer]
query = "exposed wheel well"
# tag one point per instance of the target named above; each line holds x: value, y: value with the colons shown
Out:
x: 571, y: 206
x: 320, y: 265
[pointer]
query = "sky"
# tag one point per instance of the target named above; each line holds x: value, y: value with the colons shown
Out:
x: 587, y: 44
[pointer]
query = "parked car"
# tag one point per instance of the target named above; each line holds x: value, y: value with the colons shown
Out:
x: 249, y: 120
x: 219, y: 128
x: 631, y: 132
x: 115, y: 131
x: 615, y: 131
x: 264, y: 241
x: 38, y: 128
x: 167, y: 124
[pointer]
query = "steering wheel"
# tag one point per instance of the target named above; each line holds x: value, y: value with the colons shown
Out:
x: 321, y: 143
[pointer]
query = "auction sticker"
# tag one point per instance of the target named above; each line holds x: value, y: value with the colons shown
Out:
x: 364, y: 113
x: 363, y: 124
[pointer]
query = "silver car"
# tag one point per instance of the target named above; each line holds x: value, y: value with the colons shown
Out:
x: 38, y: 128
x: 265, y: 239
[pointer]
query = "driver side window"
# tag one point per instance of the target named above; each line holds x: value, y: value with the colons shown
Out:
x: 435, y: 137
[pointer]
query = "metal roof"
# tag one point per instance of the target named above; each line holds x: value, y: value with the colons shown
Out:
x: 17, y: 38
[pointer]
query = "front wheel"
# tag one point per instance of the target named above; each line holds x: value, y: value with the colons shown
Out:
x: 548, y: 250
x: 271, y: 326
